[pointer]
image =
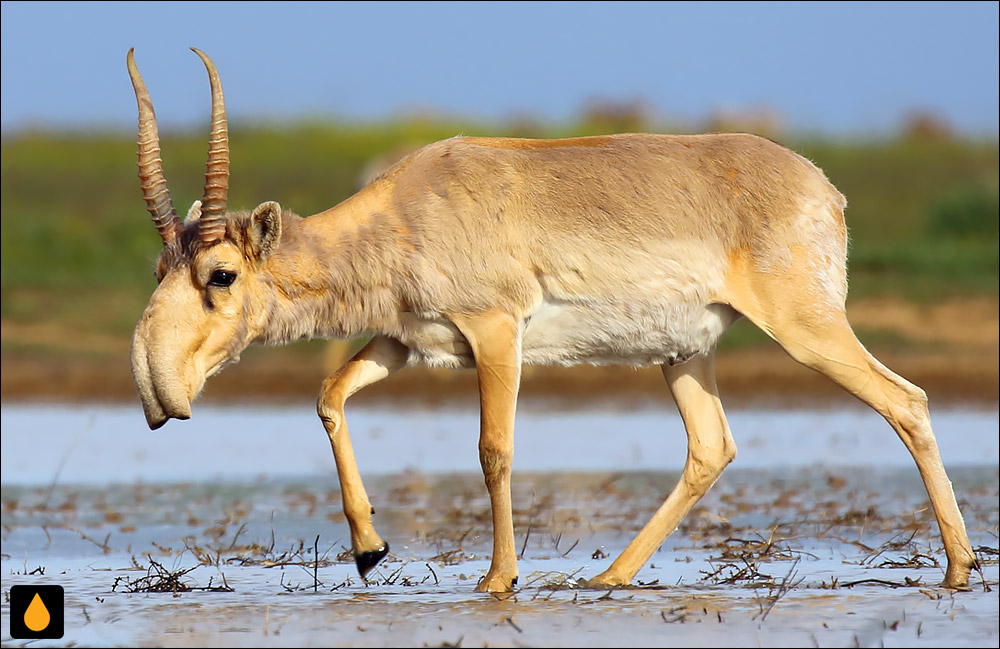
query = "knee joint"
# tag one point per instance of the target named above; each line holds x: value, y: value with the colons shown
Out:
x: 494, y: 462
x: 913, y: 414
x: 330, y: 407
x: 706, y: 467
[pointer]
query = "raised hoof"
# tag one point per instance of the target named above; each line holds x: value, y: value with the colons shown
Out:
x: 367, y: 560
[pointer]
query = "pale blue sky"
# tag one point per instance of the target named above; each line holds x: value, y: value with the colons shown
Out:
x: 839, y: 68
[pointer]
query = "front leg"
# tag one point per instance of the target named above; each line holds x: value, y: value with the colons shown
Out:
x: 379, y: 358
x: 495, y: 339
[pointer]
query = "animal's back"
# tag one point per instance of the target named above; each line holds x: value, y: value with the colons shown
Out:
x: 636, y: 186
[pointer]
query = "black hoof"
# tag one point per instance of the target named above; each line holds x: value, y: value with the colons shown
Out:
x: 367, y: 560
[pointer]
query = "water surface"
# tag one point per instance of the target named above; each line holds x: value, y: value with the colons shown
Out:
x: 818, y: 534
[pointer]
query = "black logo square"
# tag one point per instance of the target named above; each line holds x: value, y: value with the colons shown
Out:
x: 36, y: 612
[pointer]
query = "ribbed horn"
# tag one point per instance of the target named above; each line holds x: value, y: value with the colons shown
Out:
x: 212, y: 225
x: 151, y: 178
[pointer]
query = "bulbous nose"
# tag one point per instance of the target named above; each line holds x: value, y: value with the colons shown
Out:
x: 156, y: 417
x: 157, y: 373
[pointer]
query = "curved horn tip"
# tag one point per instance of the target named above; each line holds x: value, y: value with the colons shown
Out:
x: 204, y: 57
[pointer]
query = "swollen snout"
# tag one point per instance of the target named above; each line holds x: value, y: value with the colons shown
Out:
x: 163, y: 394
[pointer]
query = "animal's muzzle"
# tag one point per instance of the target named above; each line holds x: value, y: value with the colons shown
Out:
x: 161, y: 394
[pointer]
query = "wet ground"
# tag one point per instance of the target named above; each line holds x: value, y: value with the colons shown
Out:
x: 227, y: 530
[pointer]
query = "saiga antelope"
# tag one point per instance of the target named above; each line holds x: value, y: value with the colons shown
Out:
x: 495, y: 252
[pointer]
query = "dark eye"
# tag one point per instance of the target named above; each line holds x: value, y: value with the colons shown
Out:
x: 221, y: 278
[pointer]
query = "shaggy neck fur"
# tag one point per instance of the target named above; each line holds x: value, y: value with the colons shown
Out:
x: 331, y: 277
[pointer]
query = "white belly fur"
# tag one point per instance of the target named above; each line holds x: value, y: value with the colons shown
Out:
x: 622, y: 334
x: 609, y: 333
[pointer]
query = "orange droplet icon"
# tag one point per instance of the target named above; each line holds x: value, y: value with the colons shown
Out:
x: 37, y: 616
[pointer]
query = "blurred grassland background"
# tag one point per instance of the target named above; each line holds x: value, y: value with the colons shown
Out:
x: 78, y: 248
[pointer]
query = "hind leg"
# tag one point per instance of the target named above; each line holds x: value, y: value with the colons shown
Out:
x: 710, y: 449
x: 820, y: 337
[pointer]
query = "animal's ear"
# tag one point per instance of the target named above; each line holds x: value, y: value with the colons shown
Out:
x: 194, y: 213
x: 264, y: 231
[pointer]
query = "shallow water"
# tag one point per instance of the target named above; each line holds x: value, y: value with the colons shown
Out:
x: 92, y: 497
x: 98, y: 445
